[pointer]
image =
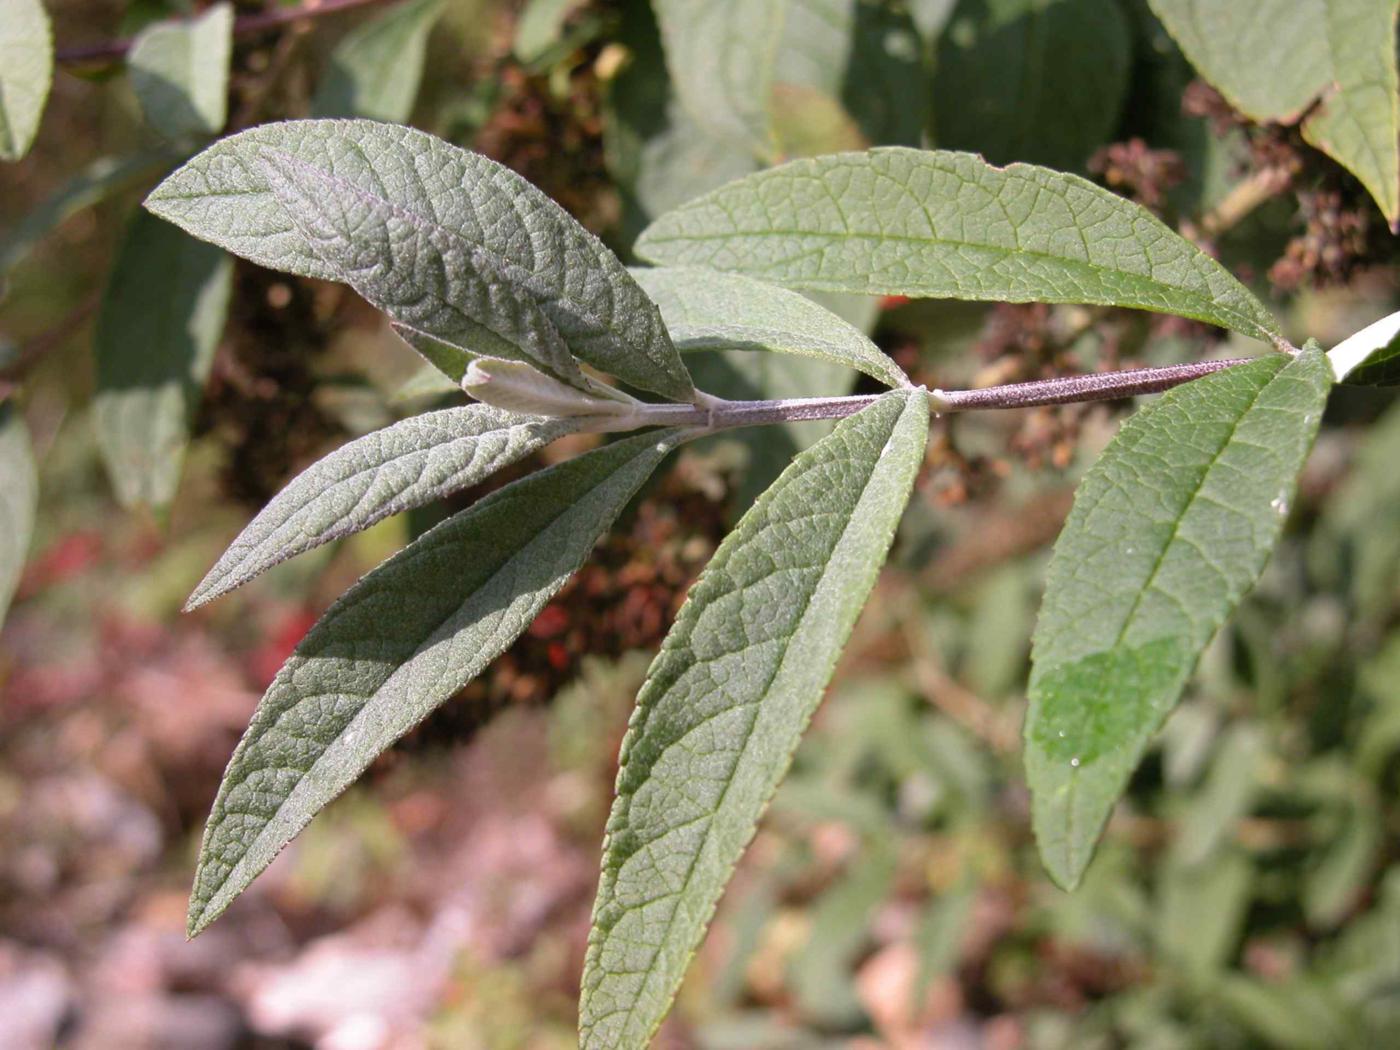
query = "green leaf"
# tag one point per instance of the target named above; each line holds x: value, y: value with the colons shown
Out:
x: 162, y: 316
x: 808, y: 122
x: 408, y: 464
x: 865, y: 59
x: 1070, y: 60
x: 26, y: 72
x: 708, y: 310
x: 1371, y: 357
x: 423, y: 274
x: 1169, y: 530
x: 541, y: 27
x: 179, y: 71
x: 1224, y: 799
x: 398, y: 644
x: 726, y: 701
x: 19, y: 495
x: 1200, y: 914
x: 95, y: 183
x: 937, y: 224
x: 514, y: 230
x: 1273, y: 59
x: 720, y: 55
x: 375, y: 71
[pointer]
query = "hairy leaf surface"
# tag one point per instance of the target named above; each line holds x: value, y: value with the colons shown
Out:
x: 375, y: 71
x: 1071, y: 59
x: 18, y: 495
x: 726, y: 701
x: 402, y: 466
x: 161, y: 319
x: 517, y: 232
x: 1274, y: 58
x: 720, y: 54
x: 26, y: 72
x: 938, y: 224
x: 179, y: 71
x: 709, y: 310
x: 1169, y: 530
x: 398, y: 644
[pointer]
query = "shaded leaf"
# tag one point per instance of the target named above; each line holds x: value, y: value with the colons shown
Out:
x: 98, y: 181
x: 26, y: 72
x: 720, y: 55
x: 726, y: 701
x: 402, y: 466
x: 1224, y: 799
x: 1200, y: 913
x: 1071, y: 59
x: 1169, y: 530
x: 397, y: 645
x: 525, y: 240
x: 937, y: 224
x: 709, y: 310
x: 161, y: 319
x: 19, y: 495
x: 179, y: 71
x: 375, y: 71
x: 541, y: 27
x: 1272, y: 59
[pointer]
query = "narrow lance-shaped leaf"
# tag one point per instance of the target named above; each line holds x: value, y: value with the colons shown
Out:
x: 222, y: 195
x: 432, y: 282
x: 1331, y: 63
x: 19, y: 492
x: 938, y: 224
x: 726, y: 702
x: 721, y: 55
x: 397, y: 645
x: 161, y: 319
x: 26, y: 72
x: 1169, y: 530
x: 405, y: 465
x: 709, y: 310
x: 376, y: 70
x: 179, y: 71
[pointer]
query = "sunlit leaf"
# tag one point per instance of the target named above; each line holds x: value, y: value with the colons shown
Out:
x: 1273, y: 59
x: 726, y: 702
x: 402, y: 466
x: 26, y: 71
x: 161, y: 320
x: 1169, y: 530
x: 709, y: 310
x: 1371, y: 357
x: 514, y: 235
x: 375, y: 71
x: 179, y: 71
x: 397, y: 645
x: 948, y: 225
x: 19, y: 492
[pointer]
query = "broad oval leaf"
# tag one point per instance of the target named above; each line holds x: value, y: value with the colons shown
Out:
x: 726, y: 701
x: 708, y: 310
x: 222, y: 195
x: 398, y: 644
x: 720, y: 56
x: 19, y: 493
x: 1371, y: 357
x: 1273, y: 59
x: 26, y: 72
x: 1074, y: 57
x: 375, y: 71
x: 391, y: 470
x: 425, y: 276
x: 162, y: 316
x: 1170, y: 529
x: 179, y: 71
x: 941, y: 224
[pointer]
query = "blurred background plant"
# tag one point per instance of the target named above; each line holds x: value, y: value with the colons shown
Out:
x: 1248, y: 891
